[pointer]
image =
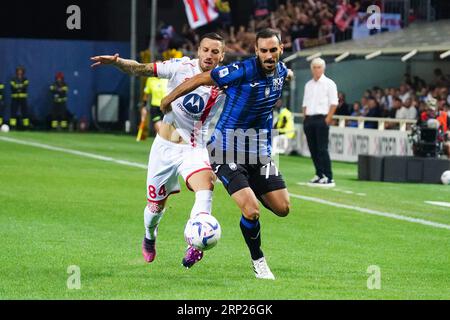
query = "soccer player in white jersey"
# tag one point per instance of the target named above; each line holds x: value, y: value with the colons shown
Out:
x: 180, y: 146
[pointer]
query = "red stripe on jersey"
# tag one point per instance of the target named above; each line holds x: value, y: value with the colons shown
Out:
x: 155, y: 69
x: 198, y: 125
x: 212, y: 100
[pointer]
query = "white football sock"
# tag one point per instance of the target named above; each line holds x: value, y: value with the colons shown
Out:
x: 151, y: 222
x: 203, y: 202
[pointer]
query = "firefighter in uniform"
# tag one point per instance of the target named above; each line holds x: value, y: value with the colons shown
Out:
x: 2, y: 103
x: 19, y: 98
x: 59, y: 91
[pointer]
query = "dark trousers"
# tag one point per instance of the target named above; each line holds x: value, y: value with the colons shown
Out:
x: 317, y: 131
x: 19, y: 105
x: 59, y: 111
x: 2, y: 111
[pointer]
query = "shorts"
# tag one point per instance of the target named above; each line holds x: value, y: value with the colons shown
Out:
x: 156, y: 114
x: 167, y: 161
x: 260, y: 178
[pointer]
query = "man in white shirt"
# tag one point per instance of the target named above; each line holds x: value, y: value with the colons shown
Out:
x: 407, y: 111
x: 319, y: 104
x: 404, y: 93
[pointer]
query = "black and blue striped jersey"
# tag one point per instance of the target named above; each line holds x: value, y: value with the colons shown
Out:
x: 246, y: 121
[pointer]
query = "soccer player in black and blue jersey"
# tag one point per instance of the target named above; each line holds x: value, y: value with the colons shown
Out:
x: 240, y: 148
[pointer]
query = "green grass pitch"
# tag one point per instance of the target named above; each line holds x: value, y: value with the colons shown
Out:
x: 59, y: 209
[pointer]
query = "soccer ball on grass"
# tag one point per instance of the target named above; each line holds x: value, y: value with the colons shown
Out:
x: 4, y: 128
x: 445, y: 178
x: 202, y: 232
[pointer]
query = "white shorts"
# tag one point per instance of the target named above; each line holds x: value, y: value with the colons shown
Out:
x: 169, y: 160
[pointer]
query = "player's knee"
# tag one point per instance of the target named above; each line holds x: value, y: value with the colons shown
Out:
x: 202, y: 181
x: 251, y: 211
x: 283, y: 209
x: 212, y: 178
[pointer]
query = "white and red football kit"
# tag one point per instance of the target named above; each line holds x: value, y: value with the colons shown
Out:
x: 191, y: 115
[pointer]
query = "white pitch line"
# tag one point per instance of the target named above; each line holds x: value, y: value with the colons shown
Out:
x: 337, y: 190
x: 305, y: 198
x: 74, y: 152
x: 373, y: 212
x: 439, y: 203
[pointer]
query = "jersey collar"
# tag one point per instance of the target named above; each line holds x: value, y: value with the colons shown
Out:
x: 197, y: 64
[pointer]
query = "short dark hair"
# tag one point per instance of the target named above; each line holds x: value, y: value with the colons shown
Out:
x: 213, y: 36
x: 268, y: 33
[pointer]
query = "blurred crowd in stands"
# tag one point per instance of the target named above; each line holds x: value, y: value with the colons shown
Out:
x: 302, y: 23
x: 414, y: 99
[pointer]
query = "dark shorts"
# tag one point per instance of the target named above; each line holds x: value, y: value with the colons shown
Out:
x: 156, y: 114
x: 260, y: 178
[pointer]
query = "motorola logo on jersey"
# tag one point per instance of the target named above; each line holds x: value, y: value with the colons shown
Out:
x: 193, y: 103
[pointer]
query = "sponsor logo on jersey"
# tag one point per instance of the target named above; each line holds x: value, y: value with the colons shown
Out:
x: 277, y: 84
x: 193, y: 103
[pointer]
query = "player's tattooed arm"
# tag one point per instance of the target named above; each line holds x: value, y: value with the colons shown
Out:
x: 130, y: 67
x: 202, y: 79
x: 135, y: 68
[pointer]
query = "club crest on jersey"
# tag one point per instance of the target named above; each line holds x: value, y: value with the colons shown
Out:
x: 277, y: 84
x: 267, y: 92
x: 193, y: 103
x: 223, y: 73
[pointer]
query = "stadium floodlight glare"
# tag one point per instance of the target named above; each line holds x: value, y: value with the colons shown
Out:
x: 409, y: 55
x: 342, y: 57
x: 445, y: 54
x: 373, y: 55
x: 313, y: 56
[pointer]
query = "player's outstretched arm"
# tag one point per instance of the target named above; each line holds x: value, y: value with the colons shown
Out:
x: 130, y: 67
x: 290, y: 75
x: 202, y: 79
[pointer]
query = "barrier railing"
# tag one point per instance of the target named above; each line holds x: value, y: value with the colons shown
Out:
x: 342, y: 122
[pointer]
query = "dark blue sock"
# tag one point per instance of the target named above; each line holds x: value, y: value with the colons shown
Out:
x: 251, y: 230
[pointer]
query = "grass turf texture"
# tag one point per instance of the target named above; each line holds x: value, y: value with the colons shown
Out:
x: 58, y: 210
